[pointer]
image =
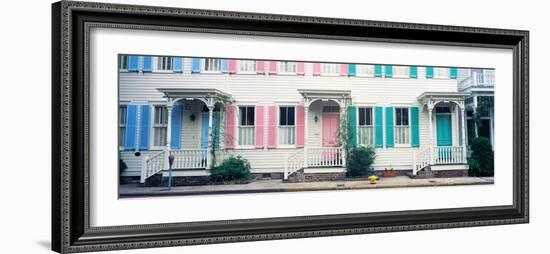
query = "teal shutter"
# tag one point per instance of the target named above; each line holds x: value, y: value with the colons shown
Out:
x: 196, y: 65
x: 352, y: 126
x: 413, y: 72
x: 389, y: 127
x: 352, y: 70
x: 388, y: 69
x: 178, y: 64
x: 175, y: 132
x: 453, y: 72
x: 133, y: 63
x: 147, y: 64
x: 429, y: 72
x: 415, y: 130
x: 144, y: 127
x: 225, y: 65
x: 379, y: 127
x: 378, y: 70
x: 131, y: 127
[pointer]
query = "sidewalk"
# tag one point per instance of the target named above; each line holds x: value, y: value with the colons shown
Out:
x: 134, y: 190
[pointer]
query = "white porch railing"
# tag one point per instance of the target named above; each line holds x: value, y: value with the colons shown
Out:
x: 441, y: 155
x: 479, y: 79
x: 293, y: 162
x: 325, y: 156
x: 152, y: 165
x: 189, y: 158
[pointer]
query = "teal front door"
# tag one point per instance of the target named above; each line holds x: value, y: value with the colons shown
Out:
x: 444, y: 130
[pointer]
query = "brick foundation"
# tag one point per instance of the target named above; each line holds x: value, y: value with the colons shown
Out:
x: 267, y: 176
x: 320, y: 177
x: 450, y: 173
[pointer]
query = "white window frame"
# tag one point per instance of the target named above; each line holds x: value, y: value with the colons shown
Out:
x: 408, y: 125
x: 442, y: 73
x: 213, y: 59
x: 121, y: 59
x: 157, y: 61
x: 325, y: 67
x: 364, y: 70
x: 122, y: 126
x: 401, y: 71
x: 155, y: 126
x: 239, y: 125
x: 372, y: 125
x: 279, y: 144
x: 246, y: 66
x: 283, y: 67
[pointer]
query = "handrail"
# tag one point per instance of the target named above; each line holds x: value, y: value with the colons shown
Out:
x: 152, y: 165
x: 421, y: 160
x: 293, y: 162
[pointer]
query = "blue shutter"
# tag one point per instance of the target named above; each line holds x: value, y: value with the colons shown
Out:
x: 352, y: 69
x: 147, y: 64
x: 225, y: 65
x: 133, y: 63
x: 415, y: 130
x: 144, y: 126
x: 378, y: 70
x: 196, y: 65
x: 389, y: 127
x: 413, y: 72
x: 453, y: 73
x: 131, y: 127
x: 379, y: 127
x: 429, y: 72
x: 177, y: 64
x: 175, y: 133
x: 388, y: 69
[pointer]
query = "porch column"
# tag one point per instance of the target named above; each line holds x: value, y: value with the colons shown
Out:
x: 464, y: 149
x: 169, y: 108
x: 306, y: 131
x: 431, y: 143
x: 209, y: 150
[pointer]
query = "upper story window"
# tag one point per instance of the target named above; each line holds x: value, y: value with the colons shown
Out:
x: 122, y: 114
x: 287, y: 67
x: 365, y: 132
x: 246, y: 126
x: 247, y: 66
x: 330, y: 69
x: 160, y: 125
x: 365, y: 70
x: 401, y: 71
x: 123, y: 62
x: 212, y: 65
x: 287, y: 125
x: 441, y: 72
x: 164, y: 63
x: 402, y: 127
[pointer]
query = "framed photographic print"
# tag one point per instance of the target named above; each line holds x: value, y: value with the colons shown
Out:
x: 181, y: 126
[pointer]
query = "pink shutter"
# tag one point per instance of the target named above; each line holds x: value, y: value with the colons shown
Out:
x: 230, y: 111
x: 272, y: 67
x: 272, y: 127
x: 259, y: 125
x: 300, y: 70
x: 343, y: 69
x: 316, y: 69
x: 260, y: 67
x: 300, y: 121
x: 232, y: 66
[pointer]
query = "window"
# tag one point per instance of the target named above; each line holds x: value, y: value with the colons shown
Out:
x: 365, y: 132
x: 246, y: 126
x: 286, y: 126
x: 441, y: 73
x: 164, y: 63
x: 287, y: 67
x: 331, y: 109
x: 122, y: 111
x: 160, y: 125
x: 330, y: 69
x: 123, y: 62
x: 247, y: 66
x: 402, y: 128
x: 365, y: 70
x: 212, y: 65
x: 401, y: 71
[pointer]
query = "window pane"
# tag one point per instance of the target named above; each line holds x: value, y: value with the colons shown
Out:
x: 362, y: 116
x: 398, y: 116
x: 368, y: 116
x: 250, y: 116
x: 405, y: 115
x: 290, y: 113
x: 243, y: 115
x: 282, y: 116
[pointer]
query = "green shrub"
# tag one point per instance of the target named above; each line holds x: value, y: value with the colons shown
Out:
x: 233, y: 168
x: 359, y: 161
x: 481, y: 161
